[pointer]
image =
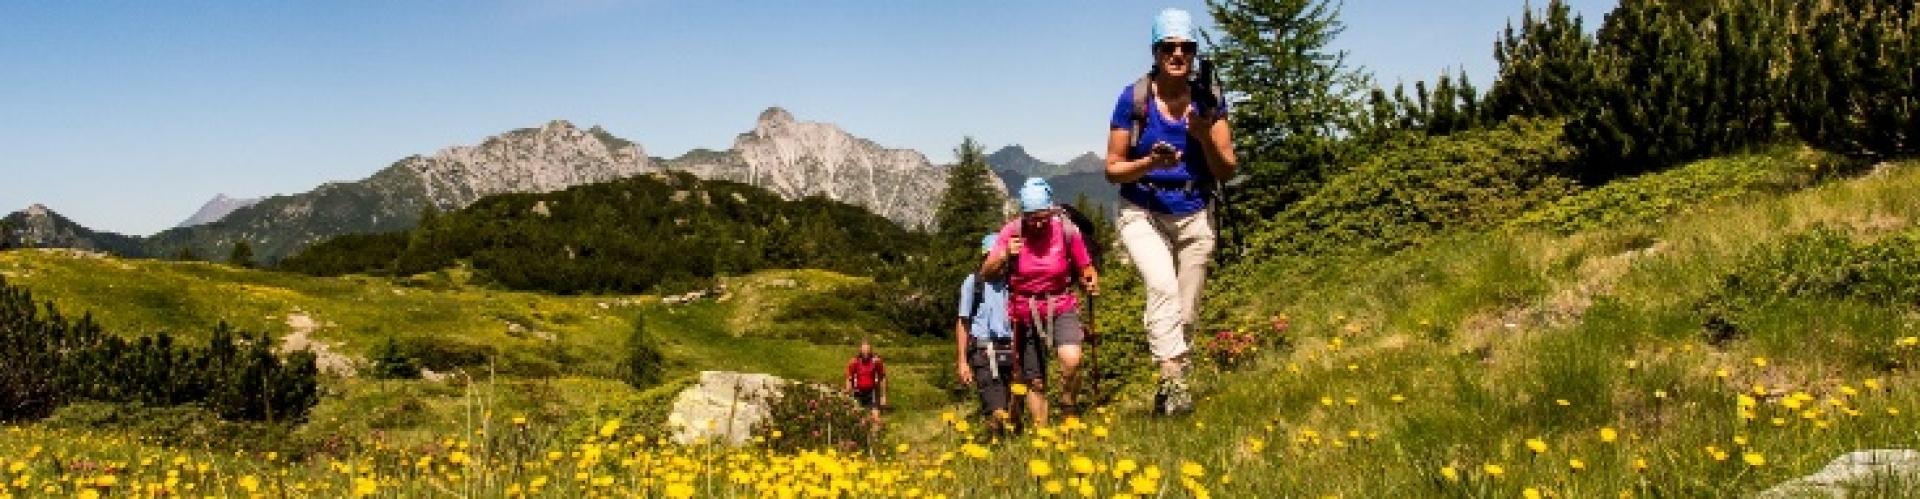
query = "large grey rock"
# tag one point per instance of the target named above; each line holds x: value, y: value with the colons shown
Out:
x: 1854, y: 470
x: 723, y: 407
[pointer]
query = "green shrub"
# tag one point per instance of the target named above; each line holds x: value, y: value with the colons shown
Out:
x: 1649, y: 197
x: 391, y: 363
x: 177, y: 426
x: 1423, y: 187
x: 1822, y: 287
x: 445, y: 354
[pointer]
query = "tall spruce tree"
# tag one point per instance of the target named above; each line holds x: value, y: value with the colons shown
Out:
x: 1295, y: 100
x: 968, y: 207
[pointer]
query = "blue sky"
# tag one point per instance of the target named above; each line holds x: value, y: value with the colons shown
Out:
x: 127, y: 115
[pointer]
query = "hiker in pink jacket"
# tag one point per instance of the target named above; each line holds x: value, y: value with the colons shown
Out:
x: 1047, y: 252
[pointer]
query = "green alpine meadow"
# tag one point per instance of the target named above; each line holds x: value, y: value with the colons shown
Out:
x: 1657, y: 248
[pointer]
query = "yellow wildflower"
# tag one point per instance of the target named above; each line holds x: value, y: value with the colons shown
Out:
x: 1143, y: 485
x: 1493, y: 470
x: 1081, y: 465
x: 1536, y: 445
x: 1608, y: 435
x: 1039, y: 468
x: 1754, y: 459
x: 1451, y: 474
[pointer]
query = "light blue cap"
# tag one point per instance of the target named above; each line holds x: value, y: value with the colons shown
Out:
x: 986, y: 243
x: 1173, y: 23
x: 1036, y: 195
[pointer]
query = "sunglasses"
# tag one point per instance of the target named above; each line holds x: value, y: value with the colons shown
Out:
x: 1168, y: 47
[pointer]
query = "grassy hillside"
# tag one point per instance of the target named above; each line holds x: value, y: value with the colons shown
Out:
x: 1710, y: 345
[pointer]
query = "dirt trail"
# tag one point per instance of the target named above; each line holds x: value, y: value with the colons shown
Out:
x: 301, y: 338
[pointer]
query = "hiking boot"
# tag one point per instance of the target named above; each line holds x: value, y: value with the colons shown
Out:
x: 1174, y: 398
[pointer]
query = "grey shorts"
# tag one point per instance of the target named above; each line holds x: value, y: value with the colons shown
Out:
x: 1065, y: 327
x: 994, y: 386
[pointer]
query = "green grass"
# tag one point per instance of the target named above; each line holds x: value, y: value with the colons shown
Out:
x: 741, y: 331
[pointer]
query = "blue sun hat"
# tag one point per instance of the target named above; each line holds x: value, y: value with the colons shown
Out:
x: 986, y: 243
x: 1173, y: 23
x: 1036, y: 195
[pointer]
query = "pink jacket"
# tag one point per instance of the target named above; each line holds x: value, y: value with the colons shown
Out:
x: 1042, y: 269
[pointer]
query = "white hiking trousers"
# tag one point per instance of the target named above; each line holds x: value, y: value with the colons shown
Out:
x: 1171, y: 252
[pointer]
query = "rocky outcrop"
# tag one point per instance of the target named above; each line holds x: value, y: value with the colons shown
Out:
x: 215, y: 209
x: 1865, y: 470
x: 797, y: 159
x: 723, y: 407
x: 40, y: 227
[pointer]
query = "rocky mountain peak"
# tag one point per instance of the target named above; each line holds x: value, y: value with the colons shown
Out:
x: 37, y: 210
x: 774, y: 117
x: 554, y: 156
x: 796, y: 159
x: 215, y: 209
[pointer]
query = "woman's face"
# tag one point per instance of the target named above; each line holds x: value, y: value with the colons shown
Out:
x: 1036, y: 220
x: 1175, y: 55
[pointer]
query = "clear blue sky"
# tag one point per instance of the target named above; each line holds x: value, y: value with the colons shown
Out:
x: 126, y: 115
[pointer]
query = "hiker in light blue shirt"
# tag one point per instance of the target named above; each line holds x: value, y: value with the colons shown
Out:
x: 983, y: 337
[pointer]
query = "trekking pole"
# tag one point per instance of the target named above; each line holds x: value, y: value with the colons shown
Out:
x: 1093, y: 347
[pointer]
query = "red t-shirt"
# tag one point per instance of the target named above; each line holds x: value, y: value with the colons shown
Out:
x: 866, y: 373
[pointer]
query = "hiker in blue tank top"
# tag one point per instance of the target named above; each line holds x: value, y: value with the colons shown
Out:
x: 984, y: 340
x: 1167, y: 145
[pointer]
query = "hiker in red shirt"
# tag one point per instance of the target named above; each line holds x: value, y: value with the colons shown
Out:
x: 867, y: 380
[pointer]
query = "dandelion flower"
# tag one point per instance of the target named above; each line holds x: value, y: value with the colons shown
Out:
x: 1754, y: 459
x: 1608, y: 435
x: 1143, y: 485
x: 1019, y: 389
x: 1639, y: 464
x: 1493, y: 470
x: 1192, y: 469
x: 1536, y: 445
x: 1451, y: 474
x: 1530, y: 493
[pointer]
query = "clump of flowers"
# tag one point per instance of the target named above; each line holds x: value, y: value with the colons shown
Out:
x: 1231, y: 348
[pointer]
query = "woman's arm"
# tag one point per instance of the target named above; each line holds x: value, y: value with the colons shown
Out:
x: 1216, y: 144
x: 1121, y: 170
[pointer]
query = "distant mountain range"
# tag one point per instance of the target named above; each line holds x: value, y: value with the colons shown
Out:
x: 215, y: 209
x: 793, y: 159
x: 1084, y: 175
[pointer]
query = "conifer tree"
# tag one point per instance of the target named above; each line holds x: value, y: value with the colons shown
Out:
x: 242, y: 255
x: 1854, y: 87
x: 1294, y: 98
x: 644, y: 366
x: 1546, y: 67
x: 968, y: 206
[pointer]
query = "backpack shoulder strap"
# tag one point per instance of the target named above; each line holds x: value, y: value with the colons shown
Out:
x: 1069, y: 232
x: 1141, y: 91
